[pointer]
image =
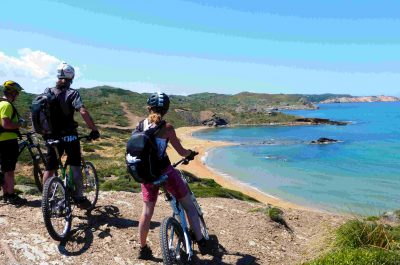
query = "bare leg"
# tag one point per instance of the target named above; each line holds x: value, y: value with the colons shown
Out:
x: 191, y: 213
x: 47, y: 174
x: 77, y: 173
x: 144, y: 222
x: 8, y: 186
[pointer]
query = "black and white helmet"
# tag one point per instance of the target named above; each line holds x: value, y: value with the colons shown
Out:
x: 158, y: 100
x: 65, y: 71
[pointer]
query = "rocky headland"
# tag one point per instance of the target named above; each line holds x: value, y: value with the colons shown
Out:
x: 361, y: 99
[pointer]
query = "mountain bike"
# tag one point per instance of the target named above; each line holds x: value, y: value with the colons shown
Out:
x: 38, y: 159
x: 57, y: 201
x: 176, y: 239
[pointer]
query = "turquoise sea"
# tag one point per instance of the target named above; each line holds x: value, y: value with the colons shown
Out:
x: 360, y: 174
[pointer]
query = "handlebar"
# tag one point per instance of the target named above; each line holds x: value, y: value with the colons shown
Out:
x: 86, y: 137
x: 185, y: 160
x: 160, y: 181
x: 52, y: 142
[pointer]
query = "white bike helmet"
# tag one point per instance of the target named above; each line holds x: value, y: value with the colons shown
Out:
x: 65, y: 71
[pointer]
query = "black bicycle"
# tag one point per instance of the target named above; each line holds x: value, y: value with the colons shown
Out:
x: 176, y: 240
x: 38, y: 159
x: 57, y: 201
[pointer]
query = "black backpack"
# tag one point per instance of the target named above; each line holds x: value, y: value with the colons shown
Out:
x: 44, y: 112
x: 142, y: 159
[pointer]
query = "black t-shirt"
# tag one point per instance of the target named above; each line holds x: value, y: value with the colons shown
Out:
x: 69, y: 101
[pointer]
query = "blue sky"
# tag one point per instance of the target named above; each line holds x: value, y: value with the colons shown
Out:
x: 192, y: 46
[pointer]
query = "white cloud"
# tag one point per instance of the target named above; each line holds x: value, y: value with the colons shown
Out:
x: 33, y: 70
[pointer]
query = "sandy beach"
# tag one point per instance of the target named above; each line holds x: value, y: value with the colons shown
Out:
x: 198, y: 168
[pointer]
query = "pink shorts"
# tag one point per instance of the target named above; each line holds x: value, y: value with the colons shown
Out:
x: 174, y: 185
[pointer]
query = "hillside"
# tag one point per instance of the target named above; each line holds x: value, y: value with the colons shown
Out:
x: 109, y: 105
x: 240, y: 230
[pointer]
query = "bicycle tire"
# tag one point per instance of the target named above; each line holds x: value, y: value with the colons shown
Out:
x: 38, y: 172
x: 56, y: 204
x: 171, y: 233
x: 90, y: 183
x: 203, y: 228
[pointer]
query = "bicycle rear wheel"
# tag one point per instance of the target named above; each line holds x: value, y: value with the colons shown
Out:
x: 90, y: 182
x: 56, y: 209
x: 203, y: 226
x: 38, y: 170
x: 173, y: 242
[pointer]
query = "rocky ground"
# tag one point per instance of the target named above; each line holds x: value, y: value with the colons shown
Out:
x: 239, y: 235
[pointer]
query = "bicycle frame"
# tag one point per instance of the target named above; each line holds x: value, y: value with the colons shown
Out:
x: 28, y: 143
x: 66, y: 177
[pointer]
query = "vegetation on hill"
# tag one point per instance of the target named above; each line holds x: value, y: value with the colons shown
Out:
x: 104, y: 104
x: 322, y: 97
x: 364, y: 242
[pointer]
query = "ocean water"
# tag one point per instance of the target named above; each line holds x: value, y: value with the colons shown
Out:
x: 360, y: 174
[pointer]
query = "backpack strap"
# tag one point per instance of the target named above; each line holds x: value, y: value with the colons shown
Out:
x: 139, y: 127
x: 13, y: 115
x: 157, y: 130
x: 159, y: 127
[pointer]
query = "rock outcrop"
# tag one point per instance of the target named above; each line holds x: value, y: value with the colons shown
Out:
x: 211, y: 119
x: 324, y: 140
x: 361, y: 99
x: 316, y: 121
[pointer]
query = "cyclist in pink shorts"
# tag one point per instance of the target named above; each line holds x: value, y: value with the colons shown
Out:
x: 157, y: 105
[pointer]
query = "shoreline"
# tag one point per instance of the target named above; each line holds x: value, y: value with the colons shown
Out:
x: 200, y: 169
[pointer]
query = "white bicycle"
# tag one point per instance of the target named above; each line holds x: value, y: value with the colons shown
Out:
x: 176, y: 240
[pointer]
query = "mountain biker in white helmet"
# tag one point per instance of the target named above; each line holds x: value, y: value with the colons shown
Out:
x: 65, y: 130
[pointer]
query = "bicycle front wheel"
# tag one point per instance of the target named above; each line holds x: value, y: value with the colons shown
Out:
x: 90, y: 183
x: 172, y: 242
x: 56, y: 209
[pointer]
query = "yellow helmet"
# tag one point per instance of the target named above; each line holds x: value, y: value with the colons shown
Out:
x: 12, y: 86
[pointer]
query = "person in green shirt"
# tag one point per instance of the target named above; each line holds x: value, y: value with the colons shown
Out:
x: 10, y: 122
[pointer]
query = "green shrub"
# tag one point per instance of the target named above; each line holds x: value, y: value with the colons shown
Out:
x: 356, y: 233
x: 372, y: 218
x: 205, y: 188
x: 397, y: 212
x: 364, y: 242
x: 360, y: 256
x: 275, y: 214
x: 22, y: 180
x: 120, y: 184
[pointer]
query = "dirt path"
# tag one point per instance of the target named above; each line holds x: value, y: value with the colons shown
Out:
x: 132, y: 119
x: 109, y: 236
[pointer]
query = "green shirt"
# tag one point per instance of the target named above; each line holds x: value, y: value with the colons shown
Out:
x: 6, y: 111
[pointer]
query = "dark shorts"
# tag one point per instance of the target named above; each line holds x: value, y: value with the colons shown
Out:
x: 68, y: 144
x: 9, y: 152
